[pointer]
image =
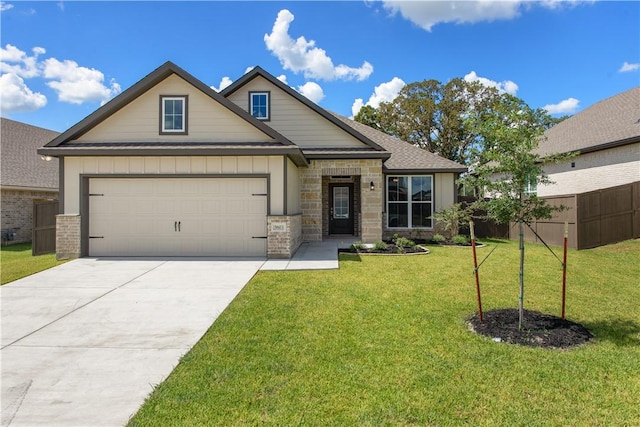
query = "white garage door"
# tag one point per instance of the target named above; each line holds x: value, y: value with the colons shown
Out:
x: 177, y: 216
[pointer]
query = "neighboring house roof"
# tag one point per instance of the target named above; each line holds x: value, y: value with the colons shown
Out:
x: 21, y: 165
x: 608, y: 123
x: 405, y: 157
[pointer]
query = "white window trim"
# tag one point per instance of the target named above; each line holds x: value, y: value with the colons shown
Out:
x: 184, y: 114
x: 267, y: 94
x: 409, y: 202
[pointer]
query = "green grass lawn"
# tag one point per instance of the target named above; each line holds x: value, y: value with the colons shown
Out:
x: 383, y: 341
x: 17, y: 262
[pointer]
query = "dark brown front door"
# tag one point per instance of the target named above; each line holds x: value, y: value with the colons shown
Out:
x: 340, y: 208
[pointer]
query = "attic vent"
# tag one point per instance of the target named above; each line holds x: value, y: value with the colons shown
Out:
x: 340, y: 171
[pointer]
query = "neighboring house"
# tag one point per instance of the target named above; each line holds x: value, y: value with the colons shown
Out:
x: 171, y: 167
x: 24, y: 177
x: 607, y: 138
x: 601, y: 185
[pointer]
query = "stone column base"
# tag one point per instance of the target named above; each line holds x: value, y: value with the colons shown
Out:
x: 67, y: 236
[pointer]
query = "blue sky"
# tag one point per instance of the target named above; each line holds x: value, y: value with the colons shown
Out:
x: 61, y: 60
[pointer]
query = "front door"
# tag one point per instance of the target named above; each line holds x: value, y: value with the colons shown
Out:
x: 340, y: 208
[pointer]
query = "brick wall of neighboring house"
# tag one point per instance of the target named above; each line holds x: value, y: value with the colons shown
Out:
x: 17, y: 211
x: 284, y: 235
x: 312, y: 196
x: 67, y: 236
x: 594, y: 171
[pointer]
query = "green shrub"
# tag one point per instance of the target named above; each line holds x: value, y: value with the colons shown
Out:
x: 357, y: 246
x: 403, y: 242
x: 380, y: 246
x: 438, y: 238
x: 460, y: 239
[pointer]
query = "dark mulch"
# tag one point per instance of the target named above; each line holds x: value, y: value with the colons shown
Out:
x: 538, y: 329
x: 391, y: 249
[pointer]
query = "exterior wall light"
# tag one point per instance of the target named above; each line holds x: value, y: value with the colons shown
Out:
x: 46, y: 158
x: 372, y: 185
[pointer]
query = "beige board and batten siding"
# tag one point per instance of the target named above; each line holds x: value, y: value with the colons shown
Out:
x: 293, y: 189
x: 74, y: 167
x: 444, y: 191
x: 305, y: 127
x: 208, y: 121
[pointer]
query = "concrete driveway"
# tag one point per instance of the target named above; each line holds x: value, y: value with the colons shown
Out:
x: 84, y: 343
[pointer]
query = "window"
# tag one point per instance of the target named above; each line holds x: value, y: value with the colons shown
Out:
x: 409, y: 201
x: 173, y: 115
x: 259, y: 105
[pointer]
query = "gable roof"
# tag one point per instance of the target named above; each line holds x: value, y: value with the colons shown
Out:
x: 21, y: 165
x: 258, y: 71
x: 608, y: 123
x: 405, y: 157
x: 280, y: 143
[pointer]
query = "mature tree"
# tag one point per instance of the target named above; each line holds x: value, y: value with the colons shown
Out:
x: 368, y: 116
x: 507, y: 167
x: 432, y: 115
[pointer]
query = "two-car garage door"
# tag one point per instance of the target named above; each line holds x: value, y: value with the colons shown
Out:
x: 177, y: 216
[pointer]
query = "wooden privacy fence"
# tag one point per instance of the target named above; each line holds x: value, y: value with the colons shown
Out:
x: 44, y: 227
x: 595, y: 218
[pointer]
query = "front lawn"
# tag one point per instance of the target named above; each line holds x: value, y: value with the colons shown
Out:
x: 384, y: 341
x: 17, y: 262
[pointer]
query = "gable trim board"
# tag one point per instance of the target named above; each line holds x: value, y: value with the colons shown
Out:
x: 294, y: 152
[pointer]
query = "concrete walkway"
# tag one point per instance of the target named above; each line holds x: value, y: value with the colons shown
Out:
x: 83, y: 344
x: 309, y: 256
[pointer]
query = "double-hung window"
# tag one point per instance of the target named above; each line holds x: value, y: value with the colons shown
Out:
x: 259, y: 105
x: 409, y: 201
x: 173, y: 115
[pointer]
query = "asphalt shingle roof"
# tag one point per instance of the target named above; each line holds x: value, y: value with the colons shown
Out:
x: 606, y: 122
x: 404, y: 156
x: 21, y: 165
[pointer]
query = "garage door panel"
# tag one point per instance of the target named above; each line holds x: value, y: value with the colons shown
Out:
x: 138, y: 217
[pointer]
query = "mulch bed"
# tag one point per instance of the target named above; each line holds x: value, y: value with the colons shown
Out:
x: 538, y: 329
x: 391, y: 250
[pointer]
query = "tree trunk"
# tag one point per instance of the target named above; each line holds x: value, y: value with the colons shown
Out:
x: 521, y: 301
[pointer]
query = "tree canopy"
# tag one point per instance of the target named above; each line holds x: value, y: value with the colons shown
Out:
x: 435, y: 116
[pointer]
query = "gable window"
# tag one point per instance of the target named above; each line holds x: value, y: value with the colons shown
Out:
x: 259, y: 105
x: 409, y: 201
x: 173, y: 115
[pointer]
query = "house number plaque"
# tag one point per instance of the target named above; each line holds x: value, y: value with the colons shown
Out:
x: 279, y: 227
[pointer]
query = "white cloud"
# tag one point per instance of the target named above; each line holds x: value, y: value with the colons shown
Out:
x: 224, y: 83
x: 312, y: 90
x: 384, y: 92
x: 567, y: 106
x: 505, y: 86
x: 303, y: 56
x: 5, y: 6
x: 283, y: 78
x: 16, y: 61
x: 75, y: 84
x: 249, y: 69
x: 16, y: 96
x: 427, y: 14
x: 626, y: 67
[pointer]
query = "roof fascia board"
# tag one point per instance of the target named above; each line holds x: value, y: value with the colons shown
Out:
x: 374, y: 155
x: 146, y: 83
x: 294, y: 153
x: 421, y: 171
x: 258, y: 71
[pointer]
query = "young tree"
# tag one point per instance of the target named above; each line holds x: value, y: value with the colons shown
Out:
x: 507, y: 167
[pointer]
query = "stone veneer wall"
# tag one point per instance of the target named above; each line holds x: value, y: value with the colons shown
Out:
x: 370, y: 201
x: 283, y: 243
x: 67, y: 236
x: 17, y: 211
